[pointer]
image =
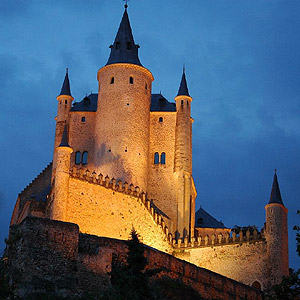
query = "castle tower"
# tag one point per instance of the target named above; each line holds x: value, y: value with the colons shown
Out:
x: 123, y: 115
x: 276, y: 234
x: 63, y: 109
x: 61, y: 183
x: 183, y: 161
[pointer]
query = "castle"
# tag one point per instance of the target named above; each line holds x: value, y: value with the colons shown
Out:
x: 123, y: 159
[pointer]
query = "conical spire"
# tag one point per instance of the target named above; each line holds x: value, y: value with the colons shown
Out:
x: 64, y: 140
x: 124, y: 50
x: 275, y: 193
x: 183, y: 89
x: 65, y: 89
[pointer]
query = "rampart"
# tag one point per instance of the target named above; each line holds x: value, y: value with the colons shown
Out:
x: 47, y: 255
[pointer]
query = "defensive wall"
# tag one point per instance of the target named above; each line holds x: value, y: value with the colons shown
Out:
x: 48, y: 255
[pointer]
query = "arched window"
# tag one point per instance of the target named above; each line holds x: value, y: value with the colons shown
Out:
x: 163, y: 158
x: 131, y: 80
x: 181, y: 102
x: 77, y: 158
x: 161, y: 119
x: 156, y: 158
x: 256, y: 285
x: 112, y: 80
x: 146, y: 86
x: 84, y: 158
x: 83, y: 119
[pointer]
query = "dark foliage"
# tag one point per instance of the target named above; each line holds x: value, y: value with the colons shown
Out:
x: 297, y: 228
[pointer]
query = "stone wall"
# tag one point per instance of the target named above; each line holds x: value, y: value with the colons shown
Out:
x: 104, y: 211
x: 162, y: 180
x: 52, y: 256
x: 246, y: 261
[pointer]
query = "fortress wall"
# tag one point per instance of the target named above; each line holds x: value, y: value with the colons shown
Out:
x: 105, y: 212
x: 244, y: 262
x: 49, y: 255
x: 81, y: 134
x: 161, y: 181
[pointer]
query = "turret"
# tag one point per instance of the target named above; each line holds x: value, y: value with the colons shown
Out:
x: 276, y: 233
x: 64, y: 106
x: 61, y: 178
x: 123, y: 115
x: 183, y: 160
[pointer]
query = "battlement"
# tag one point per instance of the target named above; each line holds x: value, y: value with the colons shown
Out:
x: 126, y: 189
x: 219, y: 239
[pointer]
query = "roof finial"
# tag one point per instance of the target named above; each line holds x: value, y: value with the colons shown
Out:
x: 183, y: 67
x: 67, y: 70
x: 126, y: 4
x: 275, y: 171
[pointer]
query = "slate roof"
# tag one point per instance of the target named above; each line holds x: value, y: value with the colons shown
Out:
x: 65, y: 89
x: 124, y: 50
x: 160, y: 103
x: 183, y: 89
x: 206, y: 220
x: 275, y: 192
x: 89, y: 103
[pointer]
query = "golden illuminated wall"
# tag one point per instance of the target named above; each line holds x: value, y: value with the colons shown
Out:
x: 162, y: 181
x: 81, y: 135
x: 104, y: 212
x: 122, y: 123
x: 244, y: 262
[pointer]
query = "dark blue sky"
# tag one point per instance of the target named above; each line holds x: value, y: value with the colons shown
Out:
x: 242, y: 63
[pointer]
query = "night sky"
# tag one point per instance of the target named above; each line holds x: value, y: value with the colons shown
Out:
x: 242, y: 63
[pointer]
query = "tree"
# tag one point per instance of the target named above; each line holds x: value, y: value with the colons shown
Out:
x: 297, y: 228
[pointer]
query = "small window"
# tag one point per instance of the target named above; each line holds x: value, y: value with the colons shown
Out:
x: 156, y: 158
x: 118, y: 45
x: 66, y: 101
x: 128, y: 45
x: 83, y: 119
x: 77, y: 158
x: 126, y: 149
x: 163, y: 158
x: 146, y: 86
x: 112, y: 80
x: 161, y: 119
x: 84, y: 158
x: 131, y: 80
x: 181, y: 102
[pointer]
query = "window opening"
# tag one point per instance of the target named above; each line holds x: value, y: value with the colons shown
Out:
x: 156, y: 158
x: 146, y: 86
x: 161, y: 119
x: 181, y: 102
x: 126, y: 149
x: 131, y: 80
x: 84, y: 158
x: 66, y: 101
x: 77, y: 158
x: 83, y: 119
x: 112, y: 80
x: 163, y: 158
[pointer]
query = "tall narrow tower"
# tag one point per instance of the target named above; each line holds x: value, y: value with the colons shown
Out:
x: 183, y: 161
x: 123, y: 115
x: 277, y: 235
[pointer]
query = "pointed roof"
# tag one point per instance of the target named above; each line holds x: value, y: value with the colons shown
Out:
x: 65, y: 89
x: 64, y: 140
x: 204, y: 220
x: 183, y: 89
x: 124, y: 50
x: 275, y: 193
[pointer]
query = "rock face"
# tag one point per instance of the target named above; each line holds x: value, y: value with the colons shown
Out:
x: 53, y: 257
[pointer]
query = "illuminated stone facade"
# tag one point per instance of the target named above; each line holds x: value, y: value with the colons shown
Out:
x: 123, y: 160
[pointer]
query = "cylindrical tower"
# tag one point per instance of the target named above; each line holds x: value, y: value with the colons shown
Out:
x: 276, y: 234
x: 61, y: 179
x: 123, y: 114
x: 183, y: 161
